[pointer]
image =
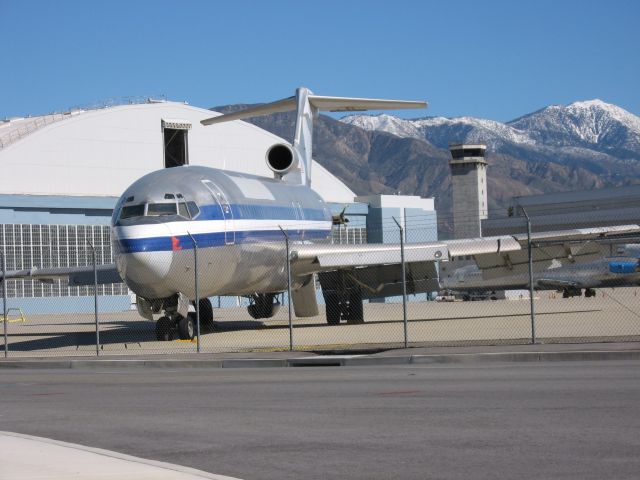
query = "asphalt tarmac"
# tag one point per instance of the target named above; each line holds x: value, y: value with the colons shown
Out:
x: 504, y: 420
x: 614, y: 315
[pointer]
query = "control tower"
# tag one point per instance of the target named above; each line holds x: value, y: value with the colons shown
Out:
x: 469, y: 187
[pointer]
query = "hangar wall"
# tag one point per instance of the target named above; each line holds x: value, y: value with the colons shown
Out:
x: 101, y: 152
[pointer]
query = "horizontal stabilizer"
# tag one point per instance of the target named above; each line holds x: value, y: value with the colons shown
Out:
x: 321, y: 103
x: 346, y: 104
x: 284, y: 105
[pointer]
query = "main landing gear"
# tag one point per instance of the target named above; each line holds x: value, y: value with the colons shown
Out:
x: 174, y: 326
x: 344, y: 307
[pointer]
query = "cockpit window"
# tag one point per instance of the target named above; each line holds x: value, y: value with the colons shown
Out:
x: 159, y: 209
x: 181, y: 208
x: 193, y: 209
x: 132, y: 211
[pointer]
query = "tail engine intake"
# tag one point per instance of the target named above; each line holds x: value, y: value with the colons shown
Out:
x: 281, y: 159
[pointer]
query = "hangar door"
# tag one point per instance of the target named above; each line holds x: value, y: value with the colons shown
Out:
x: 175, y: 141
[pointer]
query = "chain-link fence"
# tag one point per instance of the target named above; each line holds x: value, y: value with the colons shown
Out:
x: 395, y: 303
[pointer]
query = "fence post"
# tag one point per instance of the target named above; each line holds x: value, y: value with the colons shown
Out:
x: 286, y: 240
x: 404, y: 285
x: 531, y: 301
x: 95, y: 296
x: 195, y: 280
x: 4, y: 303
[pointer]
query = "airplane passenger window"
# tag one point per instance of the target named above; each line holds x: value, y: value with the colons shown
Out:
x: 158, y: 209
x: 132, y: 211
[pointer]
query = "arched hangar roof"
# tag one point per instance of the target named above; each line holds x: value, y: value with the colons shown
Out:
x: 101, y: 152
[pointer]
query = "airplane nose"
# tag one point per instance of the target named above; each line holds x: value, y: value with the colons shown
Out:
x: 144, y: 262
x: 146, y: 268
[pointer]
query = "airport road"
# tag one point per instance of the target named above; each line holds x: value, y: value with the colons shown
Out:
x: 546, y: 420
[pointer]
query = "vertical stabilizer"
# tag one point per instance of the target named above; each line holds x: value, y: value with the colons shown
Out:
x: 303, y: 138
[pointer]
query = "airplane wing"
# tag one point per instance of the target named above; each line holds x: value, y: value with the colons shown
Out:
x: 77, y: 276
x: 375, y: 269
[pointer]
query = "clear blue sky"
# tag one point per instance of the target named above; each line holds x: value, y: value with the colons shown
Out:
x: 491, y: 59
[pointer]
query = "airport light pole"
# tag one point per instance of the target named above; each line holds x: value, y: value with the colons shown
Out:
x: 195, y: 285
x: 4, y: 303
x: 404, y: 285
x: 531, y: 301
x: 286, y: 240
x: 95, y: 296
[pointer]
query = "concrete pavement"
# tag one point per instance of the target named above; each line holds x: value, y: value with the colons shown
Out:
x: 25, y: 457
x: 420, y: 355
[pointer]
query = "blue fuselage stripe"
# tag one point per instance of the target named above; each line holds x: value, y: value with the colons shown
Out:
x: 259, y: 212
x: 215, y: 239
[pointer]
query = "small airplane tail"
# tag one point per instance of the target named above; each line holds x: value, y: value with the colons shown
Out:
x: 307, y: 106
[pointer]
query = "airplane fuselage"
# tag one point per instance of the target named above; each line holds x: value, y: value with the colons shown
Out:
x: 595, y: 274
x: 236, y: 220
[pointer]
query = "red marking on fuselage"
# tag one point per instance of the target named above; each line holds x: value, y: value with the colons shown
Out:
x: 175, y: 243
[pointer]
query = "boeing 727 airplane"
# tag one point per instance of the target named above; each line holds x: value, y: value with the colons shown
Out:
x: 238, y: 223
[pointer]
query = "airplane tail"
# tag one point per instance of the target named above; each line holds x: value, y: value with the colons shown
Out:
x: 307, y: 106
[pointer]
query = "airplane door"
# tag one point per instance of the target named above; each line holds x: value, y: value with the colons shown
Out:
x: 227, y: 213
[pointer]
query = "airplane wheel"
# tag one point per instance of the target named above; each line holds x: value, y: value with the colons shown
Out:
x: 356, y: 312
x: 186, y: 328
x: 164, y: 331
x: 206, y: 314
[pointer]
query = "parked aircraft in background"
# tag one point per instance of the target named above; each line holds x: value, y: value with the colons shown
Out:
x: 571, y: 279
x: 238, y: 224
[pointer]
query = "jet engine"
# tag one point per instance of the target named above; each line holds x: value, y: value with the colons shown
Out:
x: 281, y: 159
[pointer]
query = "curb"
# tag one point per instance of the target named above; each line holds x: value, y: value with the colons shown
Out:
x: 329, y: 361
x: 121, y: 456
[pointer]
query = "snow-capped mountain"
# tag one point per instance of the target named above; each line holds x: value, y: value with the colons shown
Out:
x: 441, y: 131
x: 591, y: 125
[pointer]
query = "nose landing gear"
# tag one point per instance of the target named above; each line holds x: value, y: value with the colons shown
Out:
x: 184, y: 328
